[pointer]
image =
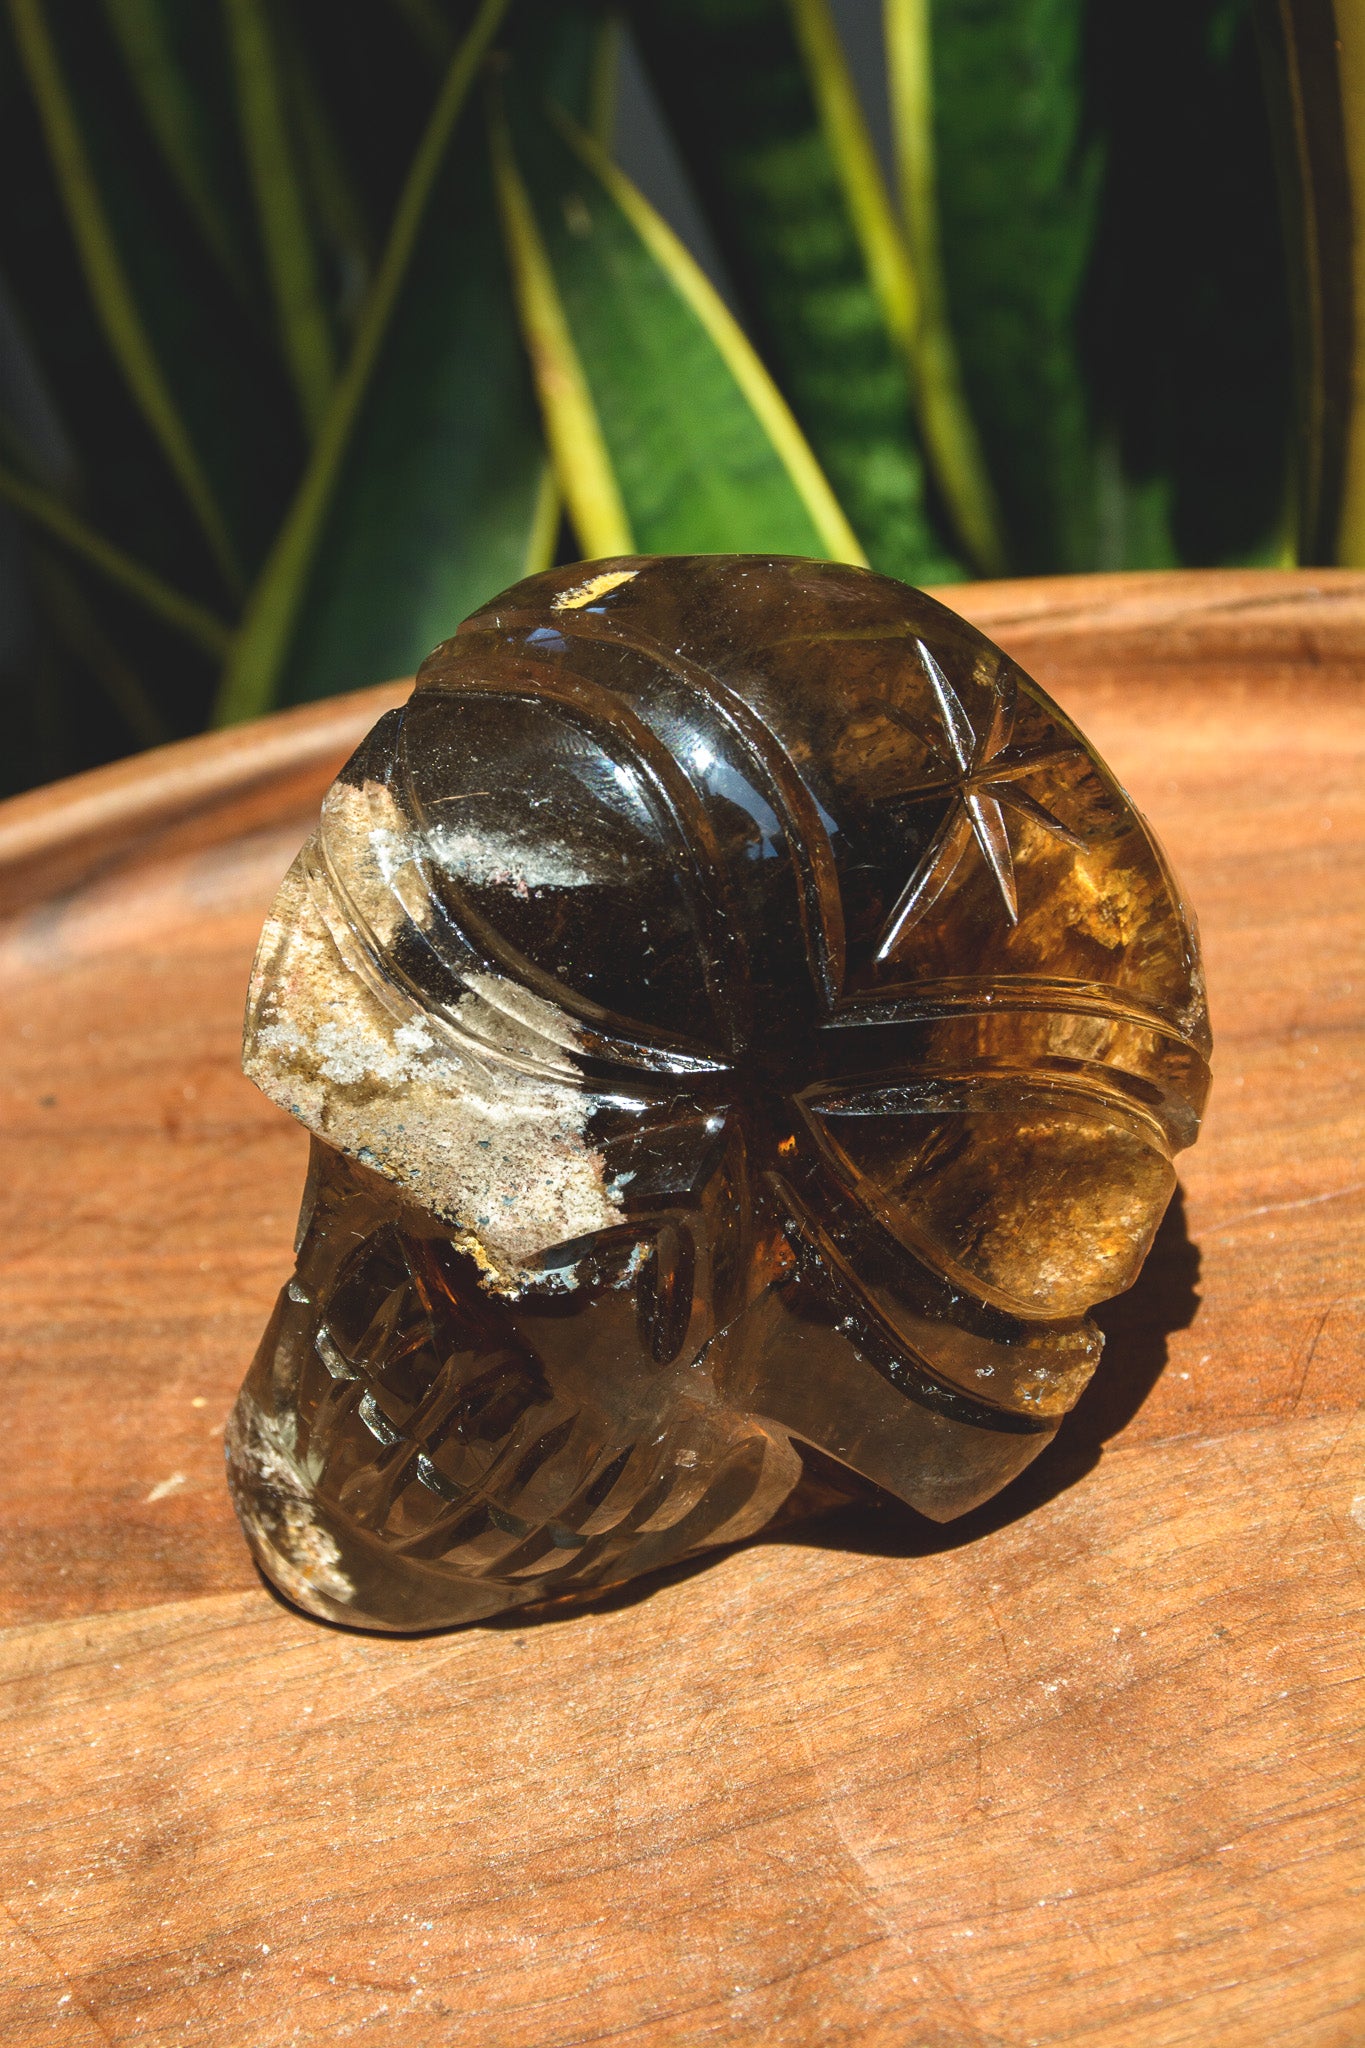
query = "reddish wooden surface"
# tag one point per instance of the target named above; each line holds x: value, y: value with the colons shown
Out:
x: 1079, y: 1772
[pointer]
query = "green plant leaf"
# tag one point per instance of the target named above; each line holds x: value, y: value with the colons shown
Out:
x: 1303, y: 69
x: 578, y: 446
x: 255, y: 675
x: 666, y: 430
x: 949, y: 429
x: 48, y: 513
x: 161, y: 377
x: 999, y: 114
x: 794, y: 197
x: 362, y: 89
x: 286, y: 231
x: 911, y: 306
x: 71, y: 423
x: 339, y: 205
x: 80, y: 632
x: 177, y: 62
x: 107, y: 277
x: 1185, y: 334
x: 1097, y: 181
x: 445, y: 496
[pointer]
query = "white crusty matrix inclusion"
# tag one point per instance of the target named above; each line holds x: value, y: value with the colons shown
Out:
x: 501, y: 1155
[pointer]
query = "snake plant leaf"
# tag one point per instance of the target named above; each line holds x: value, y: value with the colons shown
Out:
x: 47, y: 512
x: 341, y: 209
x: 1312, y: 48
x: 668, y: 434
x: 80, y: 631
x: 362, y: 88
x: 427, y: 490
x: 910, y: 305
x: 1186, y: 343
x: 177, y: 61
x: 208, y: 392
x: 949, y: 428
x: 1098, y: 183
x: 84, y: 445
x: 592, y: 491
x: 287, y: 235
x: 359, y: 88
x: 733, y: 80
x: 992, y: 118
x: 442, y: 498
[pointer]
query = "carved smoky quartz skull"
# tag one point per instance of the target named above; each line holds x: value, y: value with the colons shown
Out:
x: 737, y: 1015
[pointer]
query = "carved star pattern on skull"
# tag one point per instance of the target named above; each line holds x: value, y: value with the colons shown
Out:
x: 984, y: 778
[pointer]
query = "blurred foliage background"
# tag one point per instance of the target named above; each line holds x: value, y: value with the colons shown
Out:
x: 322, y: 320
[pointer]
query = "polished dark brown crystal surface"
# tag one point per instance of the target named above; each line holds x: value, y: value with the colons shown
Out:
x: 738, y: 1016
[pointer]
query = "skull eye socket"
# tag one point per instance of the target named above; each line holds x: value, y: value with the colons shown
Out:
x: 1044, y: 1205
x: 563, y: 854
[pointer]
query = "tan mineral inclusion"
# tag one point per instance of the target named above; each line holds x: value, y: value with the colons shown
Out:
x: 737, y: 1017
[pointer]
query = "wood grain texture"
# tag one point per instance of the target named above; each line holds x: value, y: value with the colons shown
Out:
x: 1085, y: 1769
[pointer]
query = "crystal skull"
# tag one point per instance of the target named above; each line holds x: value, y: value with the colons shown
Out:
x: 737, y: 1016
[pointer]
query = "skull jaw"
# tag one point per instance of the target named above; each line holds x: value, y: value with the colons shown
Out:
x: 543, y: 1453
x: 335, y: 1481
x: 320, y: 1560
